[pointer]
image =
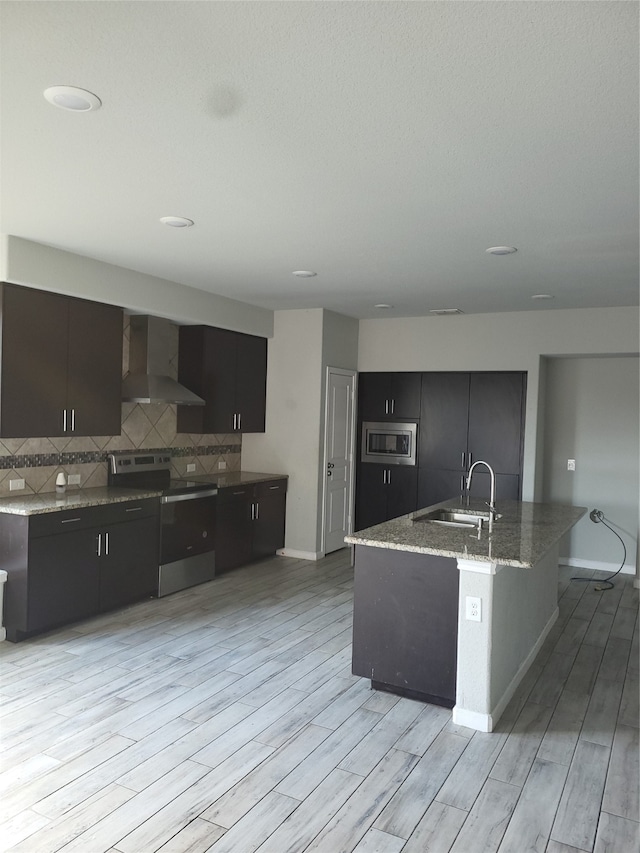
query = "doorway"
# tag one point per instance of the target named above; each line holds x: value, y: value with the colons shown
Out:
x: 338, y: 458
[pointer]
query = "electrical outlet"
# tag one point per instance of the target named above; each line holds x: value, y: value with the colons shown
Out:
x: 221, y: 465
x: 14, y: 485
x: 571, y: 464
x: 74, y: 479
x: 473, y: 609
x: 191, y: 467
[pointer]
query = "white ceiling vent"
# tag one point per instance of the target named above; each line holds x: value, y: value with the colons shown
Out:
x: 445, y: 311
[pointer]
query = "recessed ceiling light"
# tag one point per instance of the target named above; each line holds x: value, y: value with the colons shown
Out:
x: 304, y: 273
x: 176, y: 221
x: 543, y: 296
x: 72, y: 98
x: 382, y: 305
x: 501, y: 250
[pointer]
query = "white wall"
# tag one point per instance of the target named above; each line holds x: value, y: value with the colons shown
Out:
x: 46, y: 268
x: 507, y: 341
x: 304, y: 343
x: 592, y: 416
x: 291, y: 442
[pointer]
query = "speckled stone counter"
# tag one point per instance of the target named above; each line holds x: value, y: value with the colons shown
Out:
x: 72, y: 499
x: 520, y: 537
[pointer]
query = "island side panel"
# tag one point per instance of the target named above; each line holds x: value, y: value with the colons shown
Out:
x: 406, y: 622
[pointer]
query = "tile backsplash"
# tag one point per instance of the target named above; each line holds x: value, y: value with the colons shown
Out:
x: 37, y: 461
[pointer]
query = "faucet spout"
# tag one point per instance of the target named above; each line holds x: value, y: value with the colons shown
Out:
x: 492, y: 499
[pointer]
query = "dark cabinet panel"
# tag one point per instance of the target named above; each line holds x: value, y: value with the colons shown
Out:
x: 384, y: 492
x: 388, y: 396
x: 444, y: 421
x: 61, y: 365
x: 251, y: 523
x: 496, y: 408
x: 129, y: 562
x: 467, y: 417
x: 33, y: 387
x: 64, y: 579
x: 405, y: 623
x: 229, y: 371
x: 94, y: 388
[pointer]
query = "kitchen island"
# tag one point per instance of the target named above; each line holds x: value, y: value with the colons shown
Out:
x: 455, y: 615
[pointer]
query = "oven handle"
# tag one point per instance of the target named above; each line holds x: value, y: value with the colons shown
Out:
x: 172, y: 499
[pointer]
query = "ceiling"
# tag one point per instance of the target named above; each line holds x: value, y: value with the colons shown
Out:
x: 383, y: 145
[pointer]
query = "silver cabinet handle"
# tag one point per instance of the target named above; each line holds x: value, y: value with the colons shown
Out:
x: 461, y: 484
x: 464, y: 456
x: 73, y: 420
x: 257, y: 511
x: 134, y: 509
x: 234, y: 420
x: 99, y: 548
x: 239, y: 420
x: 470, y: 463
x: 106, y: 544
x: 389, y: 477
x: 384, y: 476
x: 393, y: 406
x: 69, y: 520
x: 64, y: 420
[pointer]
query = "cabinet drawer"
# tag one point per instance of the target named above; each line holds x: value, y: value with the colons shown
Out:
x: 232, y: 494
x: 271, y: 487
x: 68, y: 520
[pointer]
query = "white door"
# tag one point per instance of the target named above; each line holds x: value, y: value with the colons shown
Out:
x: 339, y: 444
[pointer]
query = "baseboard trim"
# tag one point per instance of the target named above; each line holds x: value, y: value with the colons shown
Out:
x: 300, y: 555
x: 486, y: 722
x: 579, y: 563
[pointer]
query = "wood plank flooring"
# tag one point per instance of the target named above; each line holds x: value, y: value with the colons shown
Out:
x: 225, y: 718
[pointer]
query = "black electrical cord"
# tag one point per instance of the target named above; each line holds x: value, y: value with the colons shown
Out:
x: 598, y: 517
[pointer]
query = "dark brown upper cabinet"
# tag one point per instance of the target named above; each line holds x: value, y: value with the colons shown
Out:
x: 388, y: 396
x: 229, y: 371
x: 61, y: 368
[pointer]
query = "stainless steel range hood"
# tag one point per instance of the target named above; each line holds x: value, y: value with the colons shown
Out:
x: 148, y: 380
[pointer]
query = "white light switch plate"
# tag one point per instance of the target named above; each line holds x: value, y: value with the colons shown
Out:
x: 221, y: 465
x: 74, y: 479
x: 191, y: 467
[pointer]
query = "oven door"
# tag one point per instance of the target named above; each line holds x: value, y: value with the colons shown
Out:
x: 188, y: 525
x: 390, y: 443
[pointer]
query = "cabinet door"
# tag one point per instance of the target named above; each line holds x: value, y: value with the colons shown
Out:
x: 444, y: 421
x: 402, y: 483
x: 94, y: 385
x: 128, y: 562
x: 64, y: 580
x: 374, y: 396
x: 439, y: 484
x: 33, y: 386
x: 496, y: 404
x: 405, y: 395
x: 507, y: 486
x: 251, y: 382
x: 233, y: 529
x: 371, y: 495
x: 269, y: 517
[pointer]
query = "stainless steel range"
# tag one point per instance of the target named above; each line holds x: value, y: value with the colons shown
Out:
x: 187, y: 517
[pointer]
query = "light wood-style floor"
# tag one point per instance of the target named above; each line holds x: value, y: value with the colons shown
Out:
x: 225, y: 718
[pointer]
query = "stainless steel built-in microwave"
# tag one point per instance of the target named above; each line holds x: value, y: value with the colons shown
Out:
x: 389, y: 443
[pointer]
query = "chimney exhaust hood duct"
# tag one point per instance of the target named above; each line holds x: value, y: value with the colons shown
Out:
x: 148, y: 380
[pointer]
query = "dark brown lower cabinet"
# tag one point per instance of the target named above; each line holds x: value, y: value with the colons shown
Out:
x: 384, y: 492
x: 436, y: 485
x: 250, y: 523
x: 405, y: 623
x: 65, y: 566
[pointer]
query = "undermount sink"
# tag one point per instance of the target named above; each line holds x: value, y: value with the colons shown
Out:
x: 455, y: 518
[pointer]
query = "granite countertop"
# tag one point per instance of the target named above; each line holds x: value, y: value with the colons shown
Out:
x: 29, y: 504
x: 521, y: 537
x: 226, y: 479
x: 72, y: 499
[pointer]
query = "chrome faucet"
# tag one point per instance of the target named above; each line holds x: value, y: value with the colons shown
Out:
x: 492, y: 499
